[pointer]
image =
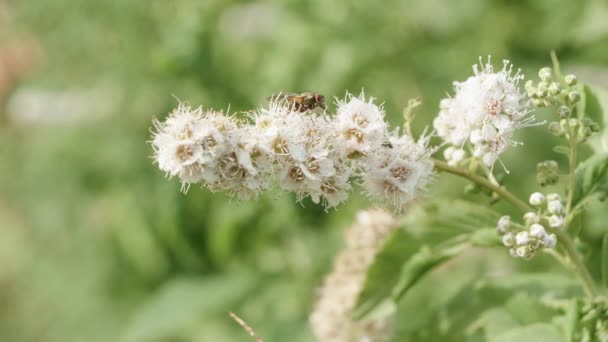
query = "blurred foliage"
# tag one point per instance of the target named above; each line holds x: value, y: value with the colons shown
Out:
x: 95, y: 245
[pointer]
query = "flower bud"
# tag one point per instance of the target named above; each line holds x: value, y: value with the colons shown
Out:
x: 549, y: 240
x: 563, y: 123
x: 508, y: 240
x: 458, y: 155
x: 537, y: 231
x: 524, y: 252
x: 570, y: 80
x: 531, y: 218
x: 574, y: 96
x: 537, y: 199
x: 555, y: 129
x: 513, y: 252
x: 504, y: 223
x: 556, y: 221
x: 545, y: 74
x: 447, y: 153
x: 554, y: 89
x: 522, y: 238
x: 553, y: 197
x: 547, y: 172
x: 555, y: 207
x: 564, y: 111
x: 537, y: 102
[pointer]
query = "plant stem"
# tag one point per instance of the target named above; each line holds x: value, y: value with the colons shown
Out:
x: 571, y: 174
x: 509, y: 197
x: 566, y: 242
x: 577, y: 262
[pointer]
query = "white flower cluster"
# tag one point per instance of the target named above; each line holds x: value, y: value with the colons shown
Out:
x: 524, y: 240
x: 315, y: 156
x: 330, y: 319
x: 484, y: 111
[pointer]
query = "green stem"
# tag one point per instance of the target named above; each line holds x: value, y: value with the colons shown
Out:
x: 577, y: 262
x: 509, y: 197
x: 578, y: 266
x: 572, y: 169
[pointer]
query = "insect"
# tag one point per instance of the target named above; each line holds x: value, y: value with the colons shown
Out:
x: 301, y: 102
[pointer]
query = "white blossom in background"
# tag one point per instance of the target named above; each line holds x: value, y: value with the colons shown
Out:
x: 330, y: 319
x: 485, y: 110
x: 314, y: 156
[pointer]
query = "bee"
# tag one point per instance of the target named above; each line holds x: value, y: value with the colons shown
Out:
x: 301, y: 102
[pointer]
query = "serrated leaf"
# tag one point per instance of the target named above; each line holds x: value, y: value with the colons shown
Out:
x: 432, y: 221
x: 383, y: 274
x: 540, y: 332
x: 421, y: 263
x: 449, y: 217
x: 591, y: 177
x: 594, y: 105
x: 605, y: 260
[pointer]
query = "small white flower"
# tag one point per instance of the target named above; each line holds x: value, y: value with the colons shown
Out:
x: 549, y: 241
x: 397, y: 171
x: 503, y: 224
x: 537, y: 199
x: 556, y: 221
x: 555, y: 207
x: 508, y: 239
x: 530, y: 218
x: 360, y: 126
x: 522, y: 238
x: 537, y: 231
x: 553, y: 197
x: 513, y: 253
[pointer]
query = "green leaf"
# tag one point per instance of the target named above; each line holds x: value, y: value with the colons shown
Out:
x: 540, y: 332
x: 432, y: 221
x: 536, y: 284
x: 497, y: 321
x: 605, y: 260
x: 594, y: 104
x: 383, y: 274
x: 561, y: 150
x: 183, y: 302
x: 486, y: 238
x: 421, y: 263
x: 591, y: 177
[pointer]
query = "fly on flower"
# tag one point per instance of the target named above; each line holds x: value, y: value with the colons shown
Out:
x: 301, y: 102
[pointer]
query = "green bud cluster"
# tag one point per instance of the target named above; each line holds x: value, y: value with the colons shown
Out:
x: 581, y: 129
x: 549, y: 92
x: 547, y: 172
x: 594, y: 320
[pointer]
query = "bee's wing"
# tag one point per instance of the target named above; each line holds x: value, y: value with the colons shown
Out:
x: 282, y: 96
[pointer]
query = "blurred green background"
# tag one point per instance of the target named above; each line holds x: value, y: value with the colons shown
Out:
x: 96, y: 245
